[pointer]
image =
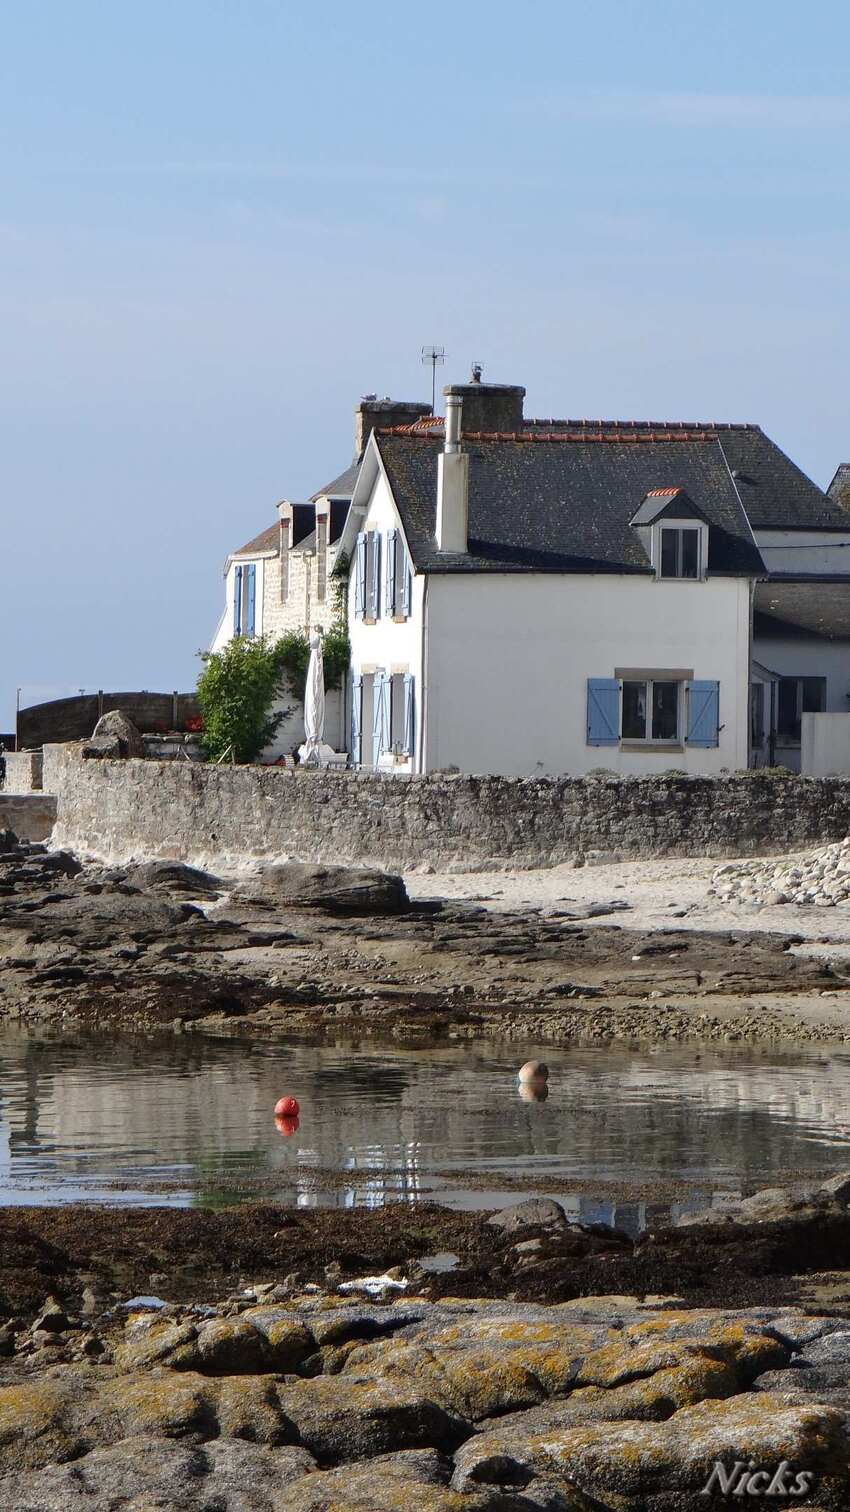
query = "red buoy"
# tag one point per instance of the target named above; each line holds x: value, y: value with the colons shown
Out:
x: 286, y: 1107
x: 286, y: 1126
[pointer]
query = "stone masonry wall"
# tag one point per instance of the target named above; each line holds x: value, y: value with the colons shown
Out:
x: 220, y: 815
x: 29, y: 817
x: 23, y: 772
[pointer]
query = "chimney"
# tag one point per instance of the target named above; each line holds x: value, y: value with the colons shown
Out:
x: 372, y: 411
x: 452, y: 483
x: 488, y: 406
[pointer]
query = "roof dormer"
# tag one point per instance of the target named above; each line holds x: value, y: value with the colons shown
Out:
x: 674, y: 533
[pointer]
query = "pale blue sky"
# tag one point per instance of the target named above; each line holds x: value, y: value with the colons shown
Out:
x: 222, y: 222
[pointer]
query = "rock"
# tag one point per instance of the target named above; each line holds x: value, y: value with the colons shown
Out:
x: 116, y: 725
x: 336, y: 889
x: 837, y: 1188
x: 415, y: 1479
x: 52, y: 1317
x: 142, y: 1473
x: 532, y: 1212
x: 175, y: 879
x: 259, y: 1339
x: 102, y: 748
x: 663, y: 1467
x: 343, y: 1417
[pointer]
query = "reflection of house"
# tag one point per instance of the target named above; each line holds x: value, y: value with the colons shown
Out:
x: 557, y: 596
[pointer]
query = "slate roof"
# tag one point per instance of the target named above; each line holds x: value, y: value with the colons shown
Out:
x: 341, y: 487
x: 562, y: 502
x: 809, y: 604
x: 774, y: 491
x: 267, y: 540
x: 659, y: 502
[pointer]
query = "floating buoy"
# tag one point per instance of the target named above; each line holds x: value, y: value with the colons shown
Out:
x: 286, y: 1107
x: 286, y: 1125
x: 534, y: 1071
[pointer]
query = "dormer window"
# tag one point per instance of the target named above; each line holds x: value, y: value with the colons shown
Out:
x: 680, y: 551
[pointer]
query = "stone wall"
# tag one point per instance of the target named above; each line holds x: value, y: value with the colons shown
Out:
x: 224, y: 814
x: 23, y: 772
x: 30, y: 817
x: 75, y: 718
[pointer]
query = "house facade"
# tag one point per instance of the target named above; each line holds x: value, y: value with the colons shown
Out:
x: 545, y: 597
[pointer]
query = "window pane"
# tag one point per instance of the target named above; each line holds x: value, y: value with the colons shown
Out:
x: 787, y: 721
x: 814, y: 695
x: 665, y: 710
x: 669, y: 553
x: 634, y: 710
x: 690, y: 553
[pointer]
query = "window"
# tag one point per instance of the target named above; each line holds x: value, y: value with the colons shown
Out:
x: 757, y: 714
x: 367, y: 568
x: 680, y: 551
x: 397, y: 586
x: 650, y: 711
x: 244, y: 598
x: 798, y: 696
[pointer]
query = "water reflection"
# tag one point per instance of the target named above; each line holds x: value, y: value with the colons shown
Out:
x: 80, y: 1114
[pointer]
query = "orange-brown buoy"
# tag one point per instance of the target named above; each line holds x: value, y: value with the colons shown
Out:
x: 286, y: 1107
x: 286, y: 1125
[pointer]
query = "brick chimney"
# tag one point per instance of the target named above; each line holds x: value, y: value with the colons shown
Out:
x: 488, y: 406
x: 372, y: 411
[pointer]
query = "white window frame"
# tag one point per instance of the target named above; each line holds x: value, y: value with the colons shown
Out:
x: 648, y: 738
x: 702, y: 549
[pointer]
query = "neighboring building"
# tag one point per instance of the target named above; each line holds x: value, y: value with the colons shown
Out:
x: 281, y: 580
x: 531, y: 597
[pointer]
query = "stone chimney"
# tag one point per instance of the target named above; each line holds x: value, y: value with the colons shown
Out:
x: 453, y: 483
x: 488, y: 406
x: 372, y: 411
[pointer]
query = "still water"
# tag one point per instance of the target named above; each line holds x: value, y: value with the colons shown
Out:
x: 189, y: 1120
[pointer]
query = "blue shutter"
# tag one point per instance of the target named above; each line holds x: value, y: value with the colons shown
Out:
x: 603, y: 711
x: 356, y: 719
x: 237, y: 600
x: 378, y: 689
x: 373, y: 588
x: 405, y: 584
x: 387, y: 714
x: 390, y: 586
x: 360, y: 576
x: 251, y: 607
x: 409, y: 713
x: 703, y: 713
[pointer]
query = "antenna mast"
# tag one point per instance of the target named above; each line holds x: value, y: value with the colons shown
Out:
x: 436, y: 356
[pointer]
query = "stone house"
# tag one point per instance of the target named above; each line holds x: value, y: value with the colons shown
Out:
x: 532, y: 597
x: 282, y: 579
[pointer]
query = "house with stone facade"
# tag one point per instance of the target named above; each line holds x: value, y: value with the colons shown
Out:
x: 531, y: 597
x: 282, y: 579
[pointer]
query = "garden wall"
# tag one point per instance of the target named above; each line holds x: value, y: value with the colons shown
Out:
x: 220, y: 815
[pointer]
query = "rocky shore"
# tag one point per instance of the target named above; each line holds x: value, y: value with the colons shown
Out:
x: 554, y: 1368
x: 297, y: 947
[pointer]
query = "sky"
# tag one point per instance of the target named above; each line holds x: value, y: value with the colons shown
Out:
x: 222, y: 221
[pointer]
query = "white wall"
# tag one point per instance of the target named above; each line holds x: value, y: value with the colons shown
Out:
x: 825, y: 744
x: 392, y: 646
x: 509, y: 655
x: 805, y: 550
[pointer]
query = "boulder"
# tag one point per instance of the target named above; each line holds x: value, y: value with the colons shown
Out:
x: 116, y: 725
x: 415, y: 1478
x: 665, y: 1467
x: 342, y: 1417
x: 175, y: 879
x: 534, y: 1212
x: 336, y: 889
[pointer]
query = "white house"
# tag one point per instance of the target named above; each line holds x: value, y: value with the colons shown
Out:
x: 531, y: 597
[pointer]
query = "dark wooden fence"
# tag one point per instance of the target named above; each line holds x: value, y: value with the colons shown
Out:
x: 75, y: 718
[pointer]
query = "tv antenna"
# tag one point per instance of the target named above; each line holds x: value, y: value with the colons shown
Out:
x: 436, y: 356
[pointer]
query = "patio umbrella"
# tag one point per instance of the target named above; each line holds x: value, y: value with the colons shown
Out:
x: 314, y: 701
